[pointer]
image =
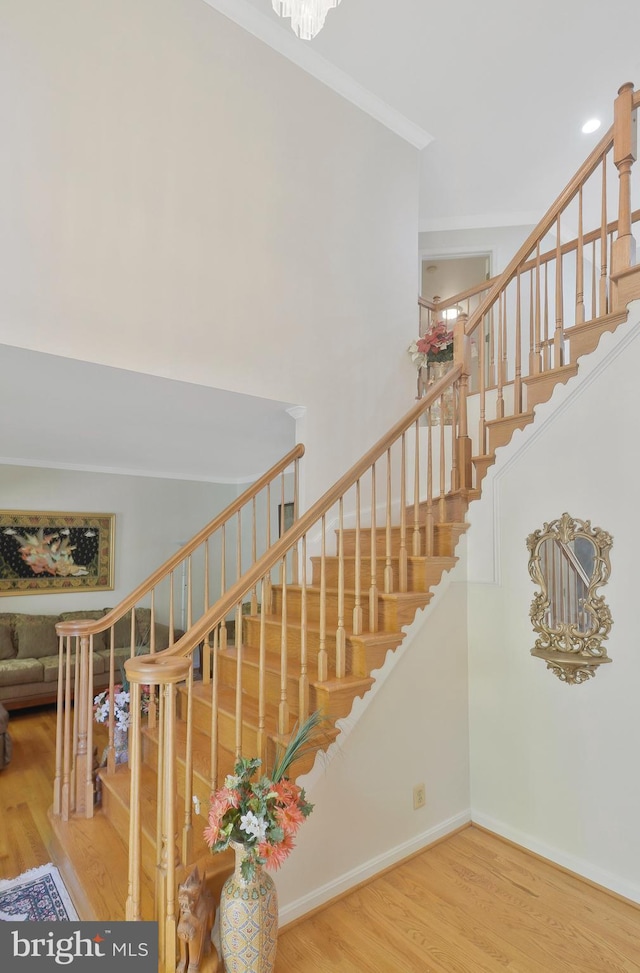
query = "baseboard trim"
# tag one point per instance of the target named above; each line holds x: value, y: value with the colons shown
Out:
x: 350, y: 881
x: 577, y: 867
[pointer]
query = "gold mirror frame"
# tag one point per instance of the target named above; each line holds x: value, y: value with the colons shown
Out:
x: 571, y: 635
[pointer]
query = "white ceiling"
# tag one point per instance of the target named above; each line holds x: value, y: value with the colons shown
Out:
x: 62, y: 413
x: 502, y: 88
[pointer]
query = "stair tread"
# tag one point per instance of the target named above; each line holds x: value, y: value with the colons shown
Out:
x: 96, y: 881
x: 568, y: 369
x: 525, y: 417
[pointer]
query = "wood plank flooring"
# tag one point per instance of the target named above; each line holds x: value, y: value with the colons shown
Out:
x: 470, y: 904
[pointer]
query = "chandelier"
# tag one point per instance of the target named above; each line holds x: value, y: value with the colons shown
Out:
x: 307, y: 16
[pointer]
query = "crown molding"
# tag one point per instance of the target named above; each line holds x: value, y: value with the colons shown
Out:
x: 44, y: 464
x: 480, y: 221
x: 285, y: 42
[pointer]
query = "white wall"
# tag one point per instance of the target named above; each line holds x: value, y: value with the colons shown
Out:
x: 181, y: 200
x: 552, y: 766
x: 153, y: 517
x: 412, y: 728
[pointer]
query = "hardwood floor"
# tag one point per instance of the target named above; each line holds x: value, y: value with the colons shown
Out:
x: 470, y: 904
x: 26, y: 788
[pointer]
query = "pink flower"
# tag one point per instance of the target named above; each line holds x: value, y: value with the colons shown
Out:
x: 275, y: 855
x: 289, y: 817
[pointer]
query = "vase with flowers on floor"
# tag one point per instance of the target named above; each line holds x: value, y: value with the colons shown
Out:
x: 257, y: 816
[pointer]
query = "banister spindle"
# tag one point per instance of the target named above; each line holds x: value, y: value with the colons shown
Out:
x: 482, y: 364
x: 442, y: 500
x: 239, y: 661
x: 500, y: 397
x: 373, y: 586
x: 455, y: 479
x: 580, y: 265
x: 261, y: 742
x: 603, y: 304
x: 254, y: 554
x: 213, y: 731
x: 304, y: 662
x: 206, y: 646
x: 594, y: 288
x: 283, y: 706
x: 429, y: 519
x: 357, y: 569
x: 322, y: 653
x: 558, y: 337
x: 187, y: 829
x: 402, y: 556
x: 517, y: 378
x: 416, y: 541
x: 341, y: 637
x: 546, y: 362
x: 388, y: 563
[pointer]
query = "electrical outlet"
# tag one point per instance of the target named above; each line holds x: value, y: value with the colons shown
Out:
x: 419, y: 796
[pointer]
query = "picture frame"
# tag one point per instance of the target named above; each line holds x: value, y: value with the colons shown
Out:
x: 45, y: 552
x: 285, y: 518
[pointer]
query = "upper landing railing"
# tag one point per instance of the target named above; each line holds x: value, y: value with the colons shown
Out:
x: 538, y: 315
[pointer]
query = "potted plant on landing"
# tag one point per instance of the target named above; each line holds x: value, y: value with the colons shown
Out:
x: 258, y: 817
x: 433, y: 352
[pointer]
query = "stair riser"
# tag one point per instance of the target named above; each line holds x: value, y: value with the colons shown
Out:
x: 226, y: 726
x: 201, y: 787
x: 421, y: 574
x: 118, y: 815
x: 444, y: 541
x: 361, y: 656
x: 251, y: 681
x: 388, y: 609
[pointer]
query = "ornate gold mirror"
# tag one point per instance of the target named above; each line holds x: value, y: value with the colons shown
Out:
x: 569, y: 560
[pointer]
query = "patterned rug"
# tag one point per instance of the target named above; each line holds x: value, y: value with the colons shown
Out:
x: 36, y: 896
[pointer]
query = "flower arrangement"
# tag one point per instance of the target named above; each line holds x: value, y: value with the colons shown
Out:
x: 121, y: 701
x: 436, y: 344
x: 265, y: 814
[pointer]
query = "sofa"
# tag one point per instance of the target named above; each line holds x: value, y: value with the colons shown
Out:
x: 29, y: 652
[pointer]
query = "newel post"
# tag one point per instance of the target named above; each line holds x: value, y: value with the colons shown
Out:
x: 461, y: 357
x: 625, y: 151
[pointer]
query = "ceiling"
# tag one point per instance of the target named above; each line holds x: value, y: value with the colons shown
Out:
x: 501, y: 89
x: 79, y: 415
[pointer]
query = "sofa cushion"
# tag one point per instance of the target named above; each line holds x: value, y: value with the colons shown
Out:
x: 122, y: 629
x: 99, y: 640
x: 16, y: 672
x: 50, y: 666
x: 8, y: 648
x: 36, y: 636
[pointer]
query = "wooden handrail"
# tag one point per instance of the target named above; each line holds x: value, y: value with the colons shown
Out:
x: 86, y: 627
x: 140, y: 667
x: 587, y: 168
x: 546, y: 257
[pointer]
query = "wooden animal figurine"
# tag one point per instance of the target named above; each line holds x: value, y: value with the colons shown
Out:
x: 196, y: 919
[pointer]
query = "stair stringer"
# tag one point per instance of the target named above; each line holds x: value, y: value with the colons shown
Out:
x: 308, y: 879
x: 486, y: 536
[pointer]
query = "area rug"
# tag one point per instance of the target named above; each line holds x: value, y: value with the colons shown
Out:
x: 38, y: 895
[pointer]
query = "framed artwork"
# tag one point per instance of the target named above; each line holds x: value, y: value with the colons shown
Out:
x: 285, y: 517
x: 42, y: 552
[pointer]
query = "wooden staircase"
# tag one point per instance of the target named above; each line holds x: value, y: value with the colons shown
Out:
x: 316, y: 613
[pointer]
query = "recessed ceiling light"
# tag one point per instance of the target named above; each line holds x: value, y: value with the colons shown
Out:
x: 591, y: 126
